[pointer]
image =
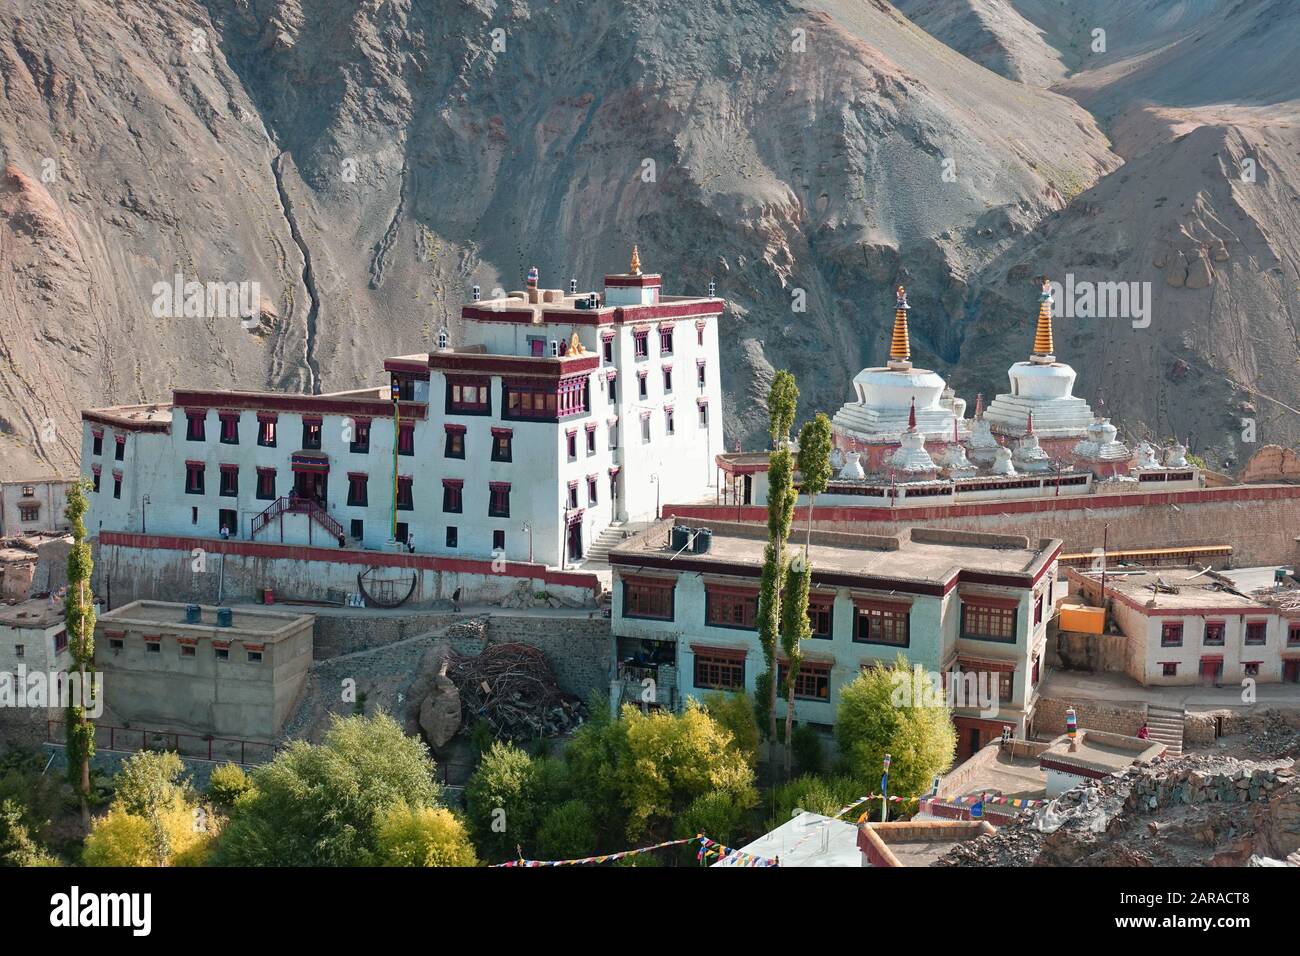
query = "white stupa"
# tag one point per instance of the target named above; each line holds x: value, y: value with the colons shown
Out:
x: 1101, y: 445
x: 1042, y: 387
x: 852, y: 468
x: 911, y: 461
x: 954, y: 463
x: 1002, y: 462
x: 1028, y: 456
x: 883, y: 397
x: 983, y: 447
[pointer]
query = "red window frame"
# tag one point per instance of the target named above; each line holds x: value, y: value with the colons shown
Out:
x: 813, y: 682
x: 1169, y: 669
x: 229, y: 427
x: 991, y: 619
x: 193, y: 477
x: 499, y: 499
x: 266, y: 430
x: 1293, y: 634
x: 666, y: 340
x: 196, y: 425
x: 454, y: 446
x: 469, y: 396
x: 405, y: 493
x: 360, y: 444
x: 1171, y: 633
x: 453, y: 498
x: 591, y: 490
x: 313, y: 431
x: 229, y: 484
x: 641, y: 343
x: 358, y: 489
x: 649, y: 598
x: 1256, y: 633
x: 821, y: 617
x: 883, y: 622
x: 502, y: 444
x: 266, y: 484
x: 731, y: 607
x: 1215, y: 633
x: 715, y: 670
x: 668, y: 379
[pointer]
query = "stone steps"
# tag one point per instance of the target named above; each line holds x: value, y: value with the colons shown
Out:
x: 1165, y: 724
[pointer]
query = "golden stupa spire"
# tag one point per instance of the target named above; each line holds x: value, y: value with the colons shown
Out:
x: 900, y: 349
x: 1043, y: 334
x: 635, y: 267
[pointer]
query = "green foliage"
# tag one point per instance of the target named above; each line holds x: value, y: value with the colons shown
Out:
x: 120, y: 838
x: 38, y: 796
x: 226, y: 784
x: 149, y: 779
x: 763, y: 701
x: 554, y: 784
x: 568, y: 830
x: 878, y: 714
x: 815, y: 445
x: 593, y: 757
x: 673, y: 758
x: 823, y: 795
x: 782, y: 404
x: 720, y: 815
x: 781, y: 496
x: 318, y: 805
x: 735, y: 712
x: 18, y: 847
x: 481, y: 736
x: 501, y: 802
x: 79, y: 621
x: 422, y: 836
x: 809, y: 754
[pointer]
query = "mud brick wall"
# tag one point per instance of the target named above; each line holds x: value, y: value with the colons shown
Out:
x: 581, y: 650
x: 1126, y: 719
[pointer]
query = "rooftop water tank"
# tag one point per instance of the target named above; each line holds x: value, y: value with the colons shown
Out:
x: 193, y: 614
x: 680, y: 538
x: 225, y: 617
x: 703, y: 540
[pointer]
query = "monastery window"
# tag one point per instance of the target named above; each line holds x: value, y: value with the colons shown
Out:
x: 97, y: 443
x: 406, y: 439
x: 613, y: 435
x: 645, y: 428
x: 1214, y: 633
x: 229, y: 428
x: 402, y: 532
x: 405, y: 498
x: 152, y: 645
x: 193, y: 478
x: 357, y: 528
x: 311, y: 433
x: 254, y: 657
x: 641, y: 344
x: 700, y: 378
x: 699, y: 333
x: 1033, y: 679
x: 648, y: 598
x: 187, y: 650
x: 821, y: 616
x: 117, y: 484
x: 360, y: 444
x: 668, y: 379
x: 452, y: 491
x: 1171, y: 634
x: 641, y: 391
x: 266, y: 430
x: 703, y: 408
x: 730, y: 607
x: 452, y: 537
x: 1169, y: 669
x: 989, y: 619
x: 530, y: 401
x: 607, y: 349
x: 666, y: 341
x: 1256, y: 632
x: 29, y: 512
x: 669, y: 427
x: 573, y: 396
x: 229, y: 486
x: 119, y: 448
x: 1039, y: 601
x: 116, y: 643
x: 468, y: 397
x: 591, y: 489
x: 20, y: 650
x: 455, y: 447
x: 221, y: 653
x: 499, y: 541
x: 719, y: 670
x: 573, y: 494
x: 266, y: 484
x: 94, y: 477
x: 591, y: 438
x: 60, y: 642
x: 613, y: 389
x: 1250, y: 668
x: 881, y: 622
x: 571, y: 444
x: 358, y: 489
x: 499, y: 499
x: 813, y: 682
x: 403, y: 387
x: 502, y: 444
x: 194, y: 425
x: 1293, y: 635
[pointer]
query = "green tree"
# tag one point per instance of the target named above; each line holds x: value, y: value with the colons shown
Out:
x: 721, y: 815
x: 501, y: 802
x: 79, y: 621
x: 422, y: 836
x: 593, y: 758
x: 18, y: 846
x: 317, y: 805
x: 120, y: 838
x: 734, y: 710
x: 568, y: 831
x: 880, y: 713
x: 782, y: 403
x: 815, y: 444
x: 815, y: 794
x: 226, y: 784
x: 150, y: 786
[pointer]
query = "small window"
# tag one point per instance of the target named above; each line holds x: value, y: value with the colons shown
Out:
x: 571, y: 445
x: 402, y: 532
x: 33, y: 512
x: 613, y: 391
x: 641, y: 391
x: 1293, y: 635
x: 573, y: 494
x: 266, y: 484
x: 645, y: 429
x: 668, y: 381
x: 613, y: 436
x: 221, y: 653
x: 641, y: 344
x: 455, y: 444
x: 405, y: 500
x: 452, y: 502
x: 117, y: 488
x: 358, y: 491
x: 1214, y: 633
x: 669, y: 426
x: 187, y: 650
x: 153, y: 647
x: 266, y: 432
x: 699, y: 375
x: 230, y: 482
x: 20, y: 650
x: 502, y: 445
x: 591, y: 490
x: 1256, y: 632
x: 97, y: 443
x: 607, y: 350
x: 719, y: 673
x: 194, y: 422
x: 498, y: 540
x: 1251, y: 668
x: 119, y: 451
x: 406, y: 440
x: 499, y: 500
x: 95, y: 482
x: 666, y: 341
x: 357, y: 528
x: 311, y: 434
x: 591, y: 440
x: 360, y: 438
x: 254, y: 657
x: 704, y: 415
x: 451, y: 536
x: 1171, y: 634
x: 230, y: 429
x: 115, y: 643
x: 193, y: 478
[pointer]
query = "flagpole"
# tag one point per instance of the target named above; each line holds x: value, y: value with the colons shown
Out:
x: 884, y: 793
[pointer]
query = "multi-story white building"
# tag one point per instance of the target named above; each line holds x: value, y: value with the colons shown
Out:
x: 561, y: 413
x: 32, y: 505
x: 969, y: 606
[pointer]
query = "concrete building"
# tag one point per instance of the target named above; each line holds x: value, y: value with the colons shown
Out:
x: 1189, y: 626
x: 33, y: 505
x: 561, y: 414
x: 971, y: 607
x: 170, y: 670
x: 33, y: 641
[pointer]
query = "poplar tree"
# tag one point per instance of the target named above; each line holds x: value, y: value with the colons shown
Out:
x: 782, y: 401
x: 79, y: 621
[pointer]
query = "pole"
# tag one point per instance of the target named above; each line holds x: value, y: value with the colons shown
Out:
x: 884, y: 793
x: 1105, y: 541
x: 397, y: 437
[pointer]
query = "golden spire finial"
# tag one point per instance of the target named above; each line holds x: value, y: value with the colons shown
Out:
x: 635, y: 267
x: 1043, y: 334
x: 900, y: 348
x: 575, y: 344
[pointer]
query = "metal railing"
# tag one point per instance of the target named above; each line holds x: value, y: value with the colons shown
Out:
x: 292, y: 504
x: 192, y: 746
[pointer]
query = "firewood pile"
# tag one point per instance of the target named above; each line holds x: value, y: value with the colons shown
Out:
x: 512, y: 687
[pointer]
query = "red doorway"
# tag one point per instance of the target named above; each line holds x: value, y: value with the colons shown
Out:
x: 1211, y: 670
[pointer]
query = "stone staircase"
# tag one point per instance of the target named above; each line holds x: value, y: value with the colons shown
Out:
x: 598, y: 551
x: 1165, y: 725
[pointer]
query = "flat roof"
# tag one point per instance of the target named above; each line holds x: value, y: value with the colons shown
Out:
x: 995, y: 771
x: 171, y: 616
x: 920, y: 842
x: 1101, y: 752
x: 37, y: 613
x: 809, y: 839
x: 926, y: 557
x: 1172, y: 588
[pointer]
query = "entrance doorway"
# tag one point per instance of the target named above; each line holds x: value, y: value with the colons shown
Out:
x: 1211, y: 670
x: 311, y: 485
x: 575, y: 541
x: 1291, y: 672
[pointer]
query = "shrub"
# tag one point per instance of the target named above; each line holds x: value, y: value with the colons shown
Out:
x: 719, y: 815
x: 501, y: 802
x: 567, y: 831
x: 735, y: 711
x: 422, y: 836
x: 809, y: 754
x: 226, y: 784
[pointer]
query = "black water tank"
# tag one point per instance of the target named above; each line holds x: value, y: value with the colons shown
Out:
x: 225, y: 617
x: 680, y: 538
x: 703, y: 540
x: 193, y: 614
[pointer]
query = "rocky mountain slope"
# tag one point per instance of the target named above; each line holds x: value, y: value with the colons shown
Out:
x: 365, y: 164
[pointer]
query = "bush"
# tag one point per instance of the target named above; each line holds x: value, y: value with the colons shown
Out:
x: 319, y: 805
x: 823, y: 795
x: 422, y: 836
x: 809, y: 754
x: 735, y: 711
x: 878, y: 715
x: 121, y: 838
x: 150, y: 779
x: 226, y: 784
x: 17, y: 845
x: 567, y: 831
x: 501, y: 802
x: 554, y: 785
x: 719, y: 815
